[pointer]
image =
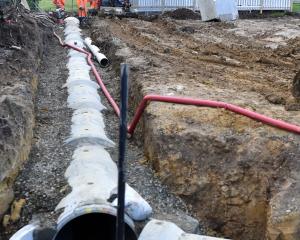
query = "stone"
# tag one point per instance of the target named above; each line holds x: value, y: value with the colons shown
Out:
x: 184, y: 221
x: 16, y: 209
x: 6, y: 197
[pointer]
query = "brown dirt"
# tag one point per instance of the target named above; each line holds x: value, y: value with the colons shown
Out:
x: 182, y: 14
x: 231, y: 59
x: 296, y: 86
x: 23, y: 42
x: 224, y: 165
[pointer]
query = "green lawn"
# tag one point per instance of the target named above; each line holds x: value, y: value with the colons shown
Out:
x: 47, y: 5
x: 296, y: 7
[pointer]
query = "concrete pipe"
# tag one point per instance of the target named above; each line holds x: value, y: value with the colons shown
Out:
x: 92, y: 222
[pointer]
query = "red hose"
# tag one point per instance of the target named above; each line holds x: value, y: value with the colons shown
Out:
x: 213, y: 104
x: 97, y: 76
x: 179, y: 100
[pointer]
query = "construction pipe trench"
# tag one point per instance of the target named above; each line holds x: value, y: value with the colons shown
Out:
x: 174, y: 166
x: 215, y: 176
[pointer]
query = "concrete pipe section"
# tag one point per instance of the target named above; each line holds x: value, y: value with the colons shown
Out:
x: 92, y: 222
x: 89, y: 210
x: 162, y: 230
x: 92, y: 174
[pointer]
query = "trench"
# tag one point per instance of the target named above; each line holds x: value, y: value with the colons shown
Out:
x: 254, y: 207
x: 41, y: 182
x: 157, y: 192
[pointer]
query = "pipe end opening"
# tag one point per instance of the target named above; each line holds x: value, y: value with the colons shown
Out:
x: 104, y: 63
x: 93, y: 226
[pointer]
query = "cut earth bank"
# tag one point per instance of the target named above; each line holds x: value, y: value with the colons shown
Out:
x: 23, y: 42
x: 239, y: 176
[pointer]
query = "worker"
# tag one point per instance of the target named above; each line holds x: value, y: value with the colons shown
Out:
x: 59, y: 4
x: 82, y: 12
x: 60, y: 10
x: 94, y: 7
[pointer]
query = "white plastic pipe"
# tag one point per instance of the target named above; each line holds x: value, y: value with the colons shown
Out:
x: 101, y: 58
x: 92, y: 175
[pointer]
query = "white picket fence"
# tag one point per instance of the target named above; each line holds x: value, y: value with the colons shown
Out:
x: 165, y: 5
x: 265, y: 4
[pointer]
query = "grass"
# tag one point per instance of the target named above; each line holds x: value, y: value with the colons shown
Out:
x: 277, y: 14
x: 296, y: 7
x: 47, y: 5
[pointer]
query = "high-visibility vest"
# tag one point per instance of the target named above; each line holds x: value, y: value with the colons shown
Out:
x: 94, y: 4
x: 59, y: 3
x: 81, y: 4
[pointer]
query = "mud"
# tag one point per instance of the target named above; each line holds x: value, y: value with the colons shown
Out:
x: 251, y: 63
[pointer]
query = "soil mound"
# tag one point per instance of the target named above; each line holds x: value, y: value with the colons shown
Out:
x: 183, y: 14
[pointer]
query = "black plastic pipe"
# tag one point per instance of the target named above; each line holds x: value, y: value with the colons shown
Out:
x: 122, y: 152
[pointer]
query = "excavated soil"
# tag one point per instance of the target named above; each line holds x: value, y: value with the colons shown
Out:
x: 234, y: 172
x: 182, y: 14
x: 40, y: 184
x: 238, y: 177
x: 23, y: 41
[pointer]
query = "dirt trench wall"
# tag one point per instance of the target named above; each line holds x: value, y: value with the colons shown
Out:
x: 22, y: 45
x: 240, y: 177
x: 239, y: 181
